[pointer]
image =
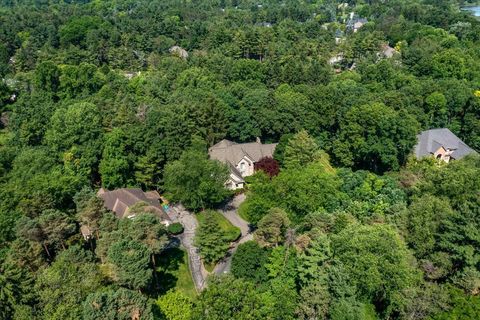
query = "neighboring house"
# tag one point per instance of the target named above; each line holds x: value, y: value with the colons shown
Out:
x: 336, y: 59
x: 386, y: 51
x: 179, y: 52
x: 355, y: 23
x: 441, y: 144
x: 120, y: 201
x: 240, y: 158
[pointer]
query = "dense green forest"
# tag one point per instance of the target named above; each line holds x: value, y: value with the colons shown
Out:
x: 131, y: 93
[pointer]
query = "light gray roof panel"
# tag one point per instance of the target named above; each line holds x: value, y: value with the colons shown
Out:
x: 430, y: 141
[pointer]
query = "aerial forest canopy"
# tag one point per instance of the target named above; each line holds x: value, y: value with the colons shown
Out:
x: 347, y: 223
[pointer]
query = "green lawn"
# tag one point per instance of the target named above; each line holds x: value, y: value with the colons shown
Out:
x: 209, y: 266
x: 243, y: 212
x: 232, y: 232
x: 173, y: 272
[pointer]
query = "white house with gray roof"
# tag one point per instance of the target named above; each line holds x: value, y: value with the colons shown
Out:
x: 441, y: 144
x: 241, y: 158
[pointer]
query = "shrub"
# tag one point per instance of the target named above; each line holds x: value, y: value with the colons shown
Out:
x: 175, y: 228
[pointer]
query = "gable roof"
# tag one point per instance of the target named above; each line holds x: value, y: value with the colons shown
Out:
x: 230, y: 152
x: 430, y: 141
x: 120, y: 200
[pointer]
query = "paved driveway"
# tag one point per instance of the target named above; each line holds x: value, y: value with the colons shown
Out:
x: 190, y: 224
x: 230, y: 211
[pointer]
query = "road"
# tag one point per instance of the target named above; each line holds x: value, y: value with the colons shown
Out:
x: 230, y: 211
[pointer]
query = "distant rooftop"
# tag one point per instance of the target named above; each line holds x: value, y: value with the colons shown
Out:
x: 430, y: 141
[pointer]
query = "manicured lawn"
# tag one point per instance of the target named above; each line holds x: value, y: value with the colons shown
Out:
x: 173, y: 272
x: 232, y: 232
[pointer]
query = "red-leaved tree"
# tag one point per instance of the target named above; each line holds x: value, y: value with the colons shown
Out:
x: 268, y: 165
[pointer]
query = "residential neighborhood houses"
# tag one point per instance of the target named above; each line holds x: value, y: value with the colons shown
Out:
x: 240, y: 158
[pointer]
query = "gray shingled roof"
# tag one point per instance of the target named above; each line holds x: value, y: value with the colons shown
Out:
x: 120, y: 200
x: 430, y: 141
x: 230, y: 152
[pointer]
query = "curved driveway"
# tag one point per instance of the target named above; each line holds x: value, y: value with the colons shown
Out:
x: 190, y: 224
x: 229, y: 211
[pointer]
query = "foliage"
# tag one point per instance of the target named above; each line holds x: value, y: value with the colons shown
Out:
x: 233, y: 299
x: 175, y: 306
x: 231, y: 232
x: 121, y: 304
x: 268, y: 165
x: 211, y: 239
x: 175, y: 228
x: 272, y: 228
x: 297, y: 191
x: 196, y: 181
x: 375, y: 137
x: 378, y: 263
x: 301, y: 150
x: 249, y: 262
x: 64, y: 285
x: 130, y: 260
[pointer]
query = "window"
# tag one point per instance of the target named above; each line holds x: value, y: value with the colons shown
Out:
x: 242, y: 166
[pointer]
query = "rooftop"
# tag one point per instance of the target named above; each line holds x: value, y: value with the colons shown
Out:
x: 430, y: 141
x: 230, y: 152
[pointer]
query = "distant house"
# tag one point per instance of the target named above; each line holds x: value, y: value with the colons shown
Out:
x: 355, y: 23
x: 121, y: 201
x: 240, y: 158
x: 387, y: 51
x: 441, y: 144
x: 338, y: 58
x: 179, y: 52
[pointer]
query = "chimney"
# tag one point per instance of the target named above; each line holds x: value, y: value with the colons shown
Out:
x: 258, y: 140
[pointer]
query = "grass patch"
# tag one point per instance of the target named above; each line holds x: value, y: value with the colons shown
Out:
x: 232, y: 233
x: 243, y: 212
x: 209, y: 266
x: 173, y: 272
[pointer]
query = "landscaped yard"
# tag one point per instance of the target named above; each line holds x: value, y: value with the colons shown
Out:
x: 232, y: 232
x: 173, y: 272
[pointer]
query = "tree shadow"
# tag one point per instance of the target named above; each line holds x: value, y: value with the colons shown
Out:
x: 168, y: 263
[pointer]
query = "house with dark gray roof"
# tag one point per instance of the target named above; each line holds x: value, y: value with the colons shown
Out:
x: 441, y: 144
x: 121, y: 201
x: 240, y: 158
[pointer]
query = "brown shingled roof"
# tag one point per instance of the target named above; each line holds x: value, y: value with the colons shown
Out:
x: 230, y: 152
x: 120, y: 200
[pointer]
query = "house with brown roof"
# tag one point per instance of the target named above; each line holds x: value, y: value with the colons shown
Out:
x: 240, y: 158
x: 122, y: 201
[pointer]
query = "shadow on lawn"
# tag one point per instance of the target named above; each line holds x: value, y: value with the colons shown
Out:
x: 168, y: 264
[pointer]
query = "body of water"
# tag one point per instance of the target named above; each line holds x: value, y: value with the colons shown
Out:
x: 475, y: 10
